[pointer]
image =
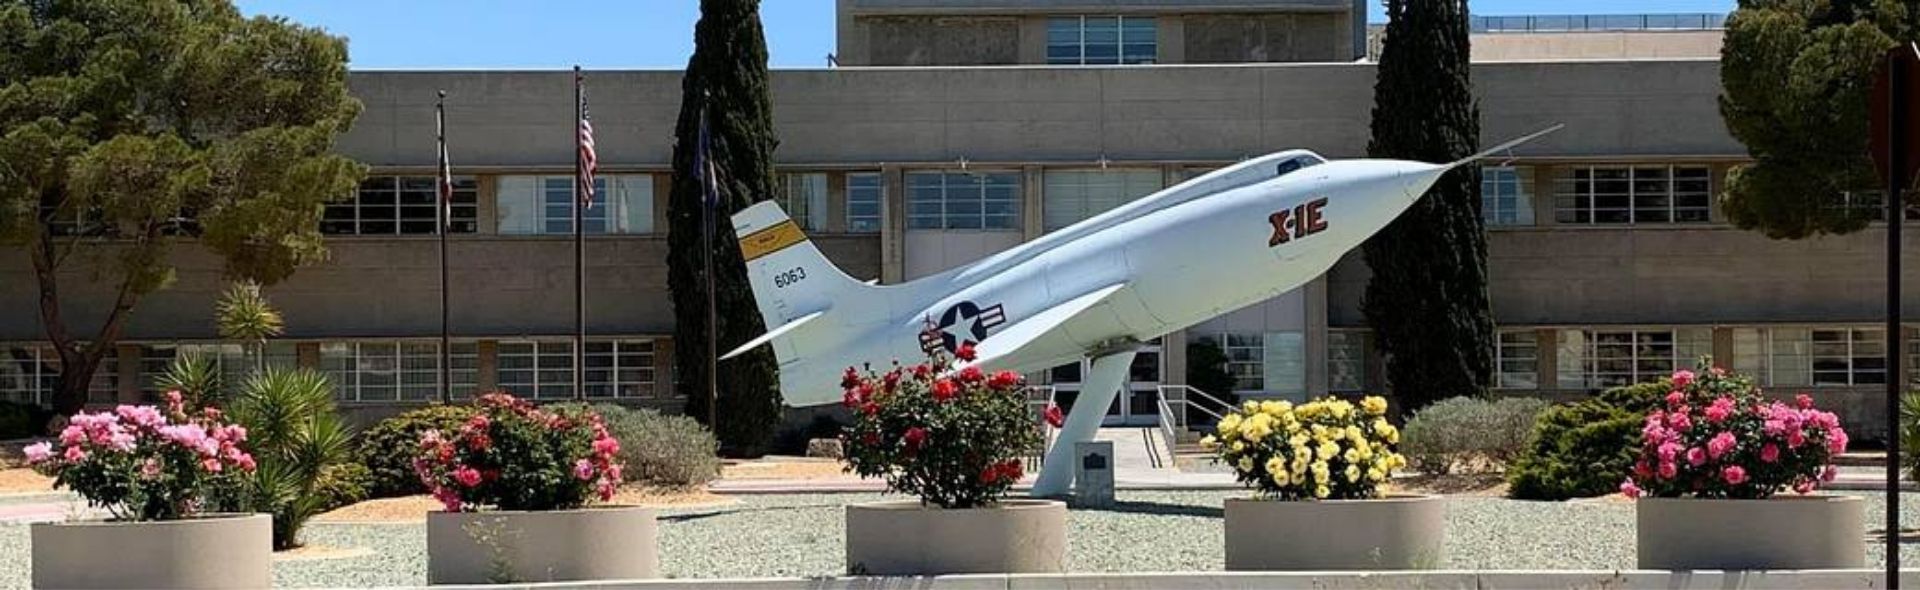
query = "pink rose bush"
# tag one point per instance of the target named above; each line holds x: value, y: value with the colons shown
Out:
x: 142, y: 463
x: 514, y: 456
x: 953, y: 438
x: 1717, y: 437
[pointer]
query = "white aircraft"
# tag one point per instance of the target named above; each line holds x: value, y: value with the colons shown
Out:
x: 1096, y: 289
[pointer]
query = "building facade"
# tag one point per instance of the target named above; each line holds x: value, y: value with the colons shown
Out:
x: 957, y: 128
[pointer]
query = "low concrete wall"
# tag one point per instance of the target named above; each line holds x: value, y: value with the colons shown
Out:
x: 1862, y: 579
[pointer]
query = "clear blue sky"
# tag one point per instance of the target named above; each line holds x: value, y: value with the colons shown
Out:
x: 656, y: 34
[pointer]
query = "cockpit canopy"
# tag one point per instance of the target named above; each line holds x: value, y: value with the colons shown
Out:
x: 1303, y: 159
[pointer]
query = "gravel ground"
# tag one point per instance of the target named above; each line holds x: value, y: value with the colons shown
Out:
x: 800, y: 535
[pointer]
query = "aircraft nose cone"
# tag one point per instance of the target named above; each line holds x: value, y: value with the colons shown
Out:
x: 1417, y: 180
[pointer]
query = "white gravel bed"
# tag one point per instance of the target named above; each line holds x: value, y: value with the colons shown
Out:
x: 801, y: 535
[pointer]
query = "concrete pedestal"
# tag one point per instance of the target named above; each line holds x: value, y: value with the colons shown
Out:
x: 1391, y: 533
x: 907, y: 538
x: 1093, y: 474
x: 610, y: 543
x: 1783, y: 532
x: 214, y: 552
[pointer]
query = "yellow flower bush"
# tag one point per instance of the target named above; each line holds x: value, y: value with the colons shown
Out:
x: 1324, y: 449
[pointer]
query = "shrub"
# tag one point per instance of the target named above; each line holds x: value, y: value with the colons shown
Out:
x: 387, y: 449
x: 295, y: 435
x: 1910, y: 434
x: 513, y: 456
x: 658, y: 449
x: 1716, y: 437
x: 1327, y: 449
x: 19, y: 420
x: 954, y: 441
x: 1586, y: 448
x: 141, y: 463
x: 1469, y: 433
x: 342, y: 484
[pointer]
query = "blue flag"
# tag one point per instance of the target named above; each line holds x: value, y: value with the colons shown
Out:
x: 704, y: 168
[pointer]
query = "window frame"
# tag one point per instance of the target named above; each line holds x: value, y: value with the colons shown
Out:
x: 1507, y: 351
x: 348, y: 217
x: 918, y: 217
x: 862, y: 223
x: 613, y: 216
x: 1506, y: 185
x: 1083, y: 182
x: 1575, y: 206
x: 1070, y: 32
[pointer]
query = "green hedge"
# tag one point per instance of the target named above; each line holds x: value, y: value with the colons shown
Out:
x: 387, y: 449
x: 1469, y: 434
x: 19, y: 420
x: 1586, y: 448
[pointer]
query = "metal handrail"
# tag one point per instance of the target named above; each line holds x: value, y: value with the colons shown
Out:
x: 1039, y: 398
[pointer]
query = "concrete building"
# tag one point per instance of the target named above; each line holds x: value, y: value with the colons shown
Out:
x: 956, y: 128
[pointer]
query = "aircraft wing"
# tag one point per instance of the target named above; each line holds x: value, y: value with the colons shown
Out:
x: 1024, y: 332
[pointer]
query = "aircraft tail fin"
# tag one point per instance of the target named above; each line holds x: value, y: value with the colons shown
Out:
x: 1505, y: 146
x: 793, y: 283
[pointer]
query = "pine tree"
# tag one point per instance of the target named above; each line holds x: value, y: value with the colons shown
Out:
x: 1794, y: 78
x: 1427, y: 301
x: 727, y: 80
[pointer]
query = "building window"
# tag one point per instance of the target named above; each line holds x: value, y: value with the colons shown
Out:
x: 1346, y: 360
x: 536, y: 369
x: 389, y: 371
x: 1102, y: 40
x: 804, y: 196
x: 1244, y: 353
x: 1074, y: 195
x: 30, y: 373
x: 463, y: 369
x: 865, y: 192
x: 235, y: 362
x: 1516, y: 360
x: 395, y: 205
x: 1503, y: 196
x: 1849, y: 356
x: 1599, y: 359
x: 963, y: 200
x: 619, y: 368
x: 1638, y: 194
x: 533, y: 205
x: 1826, y: 356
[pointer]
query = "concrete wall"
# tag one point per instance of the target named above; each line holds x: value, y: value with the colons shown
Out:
x: 999, y: 32
x: 1242, y: 38
x: 1563, y: 46
x: 382, y: 287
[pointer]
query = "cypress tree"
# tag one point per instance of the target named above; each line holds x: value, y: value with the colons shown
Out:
x: 727, y: 77
x: 1427, y: 301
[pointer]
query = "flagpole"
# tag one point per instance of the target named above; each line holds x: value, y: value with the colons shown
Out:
x: 579, y: 250
x: 445, y: 189
x: 709, y: 202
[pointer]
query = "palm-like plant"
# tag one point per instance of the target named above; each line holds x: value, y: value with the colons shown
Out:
x: 196, y: 377
x: 244, y: 314
x: 295, y: 434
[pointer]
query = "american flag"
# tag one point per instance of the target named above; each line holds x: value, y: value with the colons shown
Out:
x: 588, y: 159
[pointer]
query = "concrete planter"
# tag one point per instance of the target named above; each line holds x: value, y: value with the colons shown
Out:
x: 1391, y: 533
x: 907, y: 538
x: 606, y: 543
x: 214, y: 551
x: 1783, y: 532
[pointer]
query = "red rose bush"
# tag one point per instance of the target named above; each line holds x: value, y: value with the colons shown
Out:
x: 1717, y: 437
x: 955, y: 438
x: 514, y: 456
x: 142, y: 463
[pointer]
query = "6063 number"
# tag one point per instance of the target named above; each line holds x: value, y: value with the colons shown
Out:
x: 788, y: 278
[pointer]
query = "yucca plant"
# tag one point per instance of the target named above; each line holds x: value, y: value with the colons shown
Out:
x: 196, y: 377
x: 295, y: 434
x: 244, y: 314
